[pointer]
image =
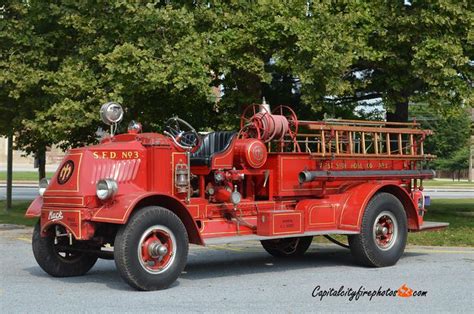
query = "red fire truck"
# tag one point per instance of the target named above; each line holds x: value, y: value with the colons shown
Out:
x: 278, y: 180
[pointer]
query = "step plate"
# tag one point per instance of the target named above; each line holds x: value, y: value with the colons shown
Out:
x: 430, y: 225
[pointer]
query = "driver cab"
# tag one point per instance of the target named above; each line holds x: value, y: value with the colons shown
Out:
x: 213, y: 144
x: 213, y: 151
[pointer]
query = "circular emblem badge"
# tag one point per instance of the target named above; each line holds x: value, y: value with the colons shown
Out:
x: 258, y: 153
x: 65, y: 172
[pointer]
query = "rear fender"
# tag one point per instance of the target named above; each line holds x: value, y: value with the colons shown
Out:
x: 119, y: 212
x: 360, y: 195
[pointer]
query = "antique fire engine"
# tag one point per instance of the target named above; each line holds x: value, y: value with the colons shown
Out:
x: 141, y: 198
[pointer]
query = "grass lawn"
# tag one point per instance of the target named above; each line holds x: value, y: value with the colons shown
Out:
x: 16, y: 215
x: 23, y: 175
x: 446, y: 183
x: 458, y: 212
x: 460, y: 215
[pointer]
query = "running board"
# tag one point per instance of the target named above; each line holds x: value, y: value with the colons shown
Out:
x: 433, y: 225
x: 254, y: 237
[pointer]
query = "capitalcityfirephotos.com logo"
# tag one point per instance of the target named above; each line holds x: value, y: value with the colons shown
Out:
x: 356, y: 294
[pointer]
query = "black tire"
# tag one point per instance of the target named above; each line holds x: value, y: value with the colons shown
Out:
x: 131, y: 264
x: 376, y: 248
x: 287, y: 247
x: 50, y: 260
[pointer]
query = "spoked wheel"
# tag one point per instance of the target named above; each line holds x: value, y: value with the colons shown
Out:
x: 151, y: 249
x: 383, y: 233
x: 57, y: 261
x: 287, y: 247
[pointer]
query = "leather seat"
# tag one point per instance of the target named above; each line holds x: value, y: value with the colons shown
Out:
x: 212, y: 144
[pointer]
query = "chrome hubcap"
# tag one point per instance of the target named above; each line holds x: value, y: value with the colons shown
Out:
x: 157, y: 249
x: 385, y: 230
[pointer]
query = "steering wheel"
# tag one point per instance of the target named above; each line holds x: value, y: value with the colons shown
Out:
x: 183, y: 134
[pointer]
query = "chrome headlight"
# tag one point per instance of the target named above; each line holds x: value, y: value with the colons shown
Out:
x: 106, y: 188
x: 43, y: 185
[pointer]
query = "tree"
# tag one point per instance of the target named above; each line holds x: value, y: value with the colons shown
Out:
x: 458, y: 161
x: 451, y: 129
x: 62, y: 59
x: 416, y: 51
x: 22, y: 64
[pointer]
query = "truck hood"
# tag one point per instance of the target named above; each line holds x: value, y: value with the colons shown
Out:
x: 74, y: 183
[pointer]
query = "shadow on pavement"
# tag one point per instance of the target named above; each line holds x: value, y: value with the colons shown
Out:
x: 212, y: 263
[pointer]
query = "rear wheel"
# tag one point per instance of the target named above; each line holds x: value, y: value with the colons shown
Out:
x: 151, y: 249
x: 57, y: 261
x: 383, y: 233
x: 287, y: 247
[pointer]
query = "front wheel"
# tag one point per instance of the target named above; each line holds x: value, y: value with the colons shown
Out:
x: 287, y: 247
x: 383, y: 233
x: 55, y: 260
x: 151, y: 250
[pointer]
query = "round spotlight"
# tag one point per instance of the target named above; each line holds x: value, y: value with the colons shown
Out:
x: 106, y: 188
x: 111, y: 113
x: 43, y: 185
x: 134, y: 127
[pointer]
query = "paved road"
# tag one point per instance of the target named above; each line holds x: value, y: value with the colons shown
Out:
x: 30, y: 192
x: 242, y: 278
x: 445, y: 193
x: 20, y: 192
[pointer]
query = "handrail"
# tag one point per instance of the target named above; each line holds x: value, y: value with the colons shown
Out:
x: 358, y: 122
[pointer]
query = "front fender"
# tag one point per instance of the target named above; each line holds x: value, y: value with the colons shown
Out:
x: 119, y: 211
x: 34, y: 210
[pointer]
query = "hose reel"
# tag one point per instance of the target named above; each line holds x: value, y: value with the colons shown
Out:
x: 279, y: 125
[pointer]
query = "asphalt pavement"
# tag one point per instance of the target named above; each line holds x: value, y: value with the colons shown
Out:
x: 242, y: 277
x: 20, y: 193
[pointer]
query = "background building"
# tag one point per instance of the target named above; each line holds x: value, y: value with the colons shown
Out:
x: 26, y: 163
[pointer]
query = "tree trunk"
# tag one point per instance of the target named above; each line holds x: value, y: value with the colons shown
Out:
x: 400, y: 115
x: 41, y: 159
x: 9, y: 172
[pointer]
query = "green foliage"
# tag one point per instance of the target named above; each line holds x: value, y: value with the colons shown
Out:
x: 419, y: 52
x: 450, y: 127
x: 459, y: 160
x: 60, y: 60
